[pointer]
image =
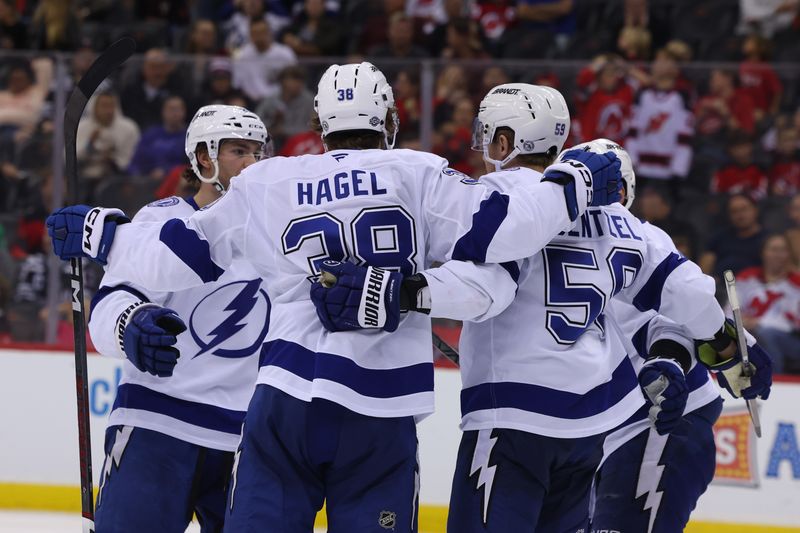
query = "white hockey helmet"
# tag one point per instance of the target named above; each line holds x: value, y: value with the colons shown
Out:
x: 537, y: 115
x: 601, y: 146
x: 355, y: 96
x: 214, y: 123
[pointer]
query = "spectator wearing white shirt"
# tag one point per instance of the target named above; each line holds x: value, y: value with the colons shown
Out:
x: 258, y: 63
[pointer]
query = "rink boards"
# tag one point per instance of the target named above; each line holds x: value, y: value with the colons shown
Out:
x: 757, y: 481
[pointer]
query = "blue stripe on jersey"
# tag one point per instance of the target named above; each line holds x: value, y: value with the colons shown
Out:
x: 190, y: 249
x: 639, y: 340
x: 513, y: 270
x: 649, y: 296
x: 191, y: 201
x: 105, y: 291
x: 376, y: 383
x: 551, y: 402
x: 132, y: 396
x: 697, y: 377
x: 473, y: 244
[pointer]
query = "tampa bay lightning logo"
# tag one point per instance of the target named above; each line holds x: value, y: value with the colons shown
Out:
x: 166, y: 202
x: 218, y: 319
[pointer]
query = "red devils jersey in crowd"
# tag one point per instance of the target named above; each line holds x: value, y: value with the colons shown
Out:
x: 776, y: 303
x: 734, y: 179
x: 784, y: 177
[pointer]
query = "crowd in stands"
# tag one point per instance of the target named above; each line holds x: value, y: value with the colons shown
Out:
x: 704, y: 94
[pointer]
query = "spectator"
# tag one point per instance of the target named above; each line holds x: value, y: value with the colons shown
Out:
x: 741, y: 175
x: 162, y: 147
x: 409, y: 106
x: 288, y: 112
x: 725, y: 108
x: 237, y: 29
x: 636, y: 14
x: 653, y: 206
x: 451, y: 86
x: 793, y: 231
x: 370, y: 24
x: 257, y: 64
x: 766, y: 17
x: 739, y: 246
x: 314, y: 33
x: 542, y: 22
x: 435, y: 32
x: 218, y: 84
x: 455, y: 138
x: 661, y: 128
x: 22, y: 101
x: 55, y: 26
x: 106, y: 141
x: 401, y: 40
x: 492, y: 77
x: 770, y: 299
x: 202, y: 44
x: 605, y: 112
x: 13, y: 33
x: 494, y: 17
x: 308, y: 142
x: 784, y: 173
x: 758, y: 77
x: 143, y: 98
x: 634, y: 43
x: 463, y: 40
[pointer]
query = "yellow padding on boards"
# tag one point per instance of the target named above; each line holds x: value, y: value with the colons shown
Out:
x: 432, y: 518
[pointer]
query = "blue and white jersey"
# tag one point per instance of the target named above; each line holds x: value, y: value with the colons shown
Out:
x: 639, y: 331
x: 205, y: 399
x: 549, y: 363
x: 399, y: 209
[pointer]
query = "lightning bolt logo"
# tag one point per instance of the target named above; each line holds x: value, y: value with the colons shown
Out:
x: 480, y: 465
x: 650, y: 475
x: 238, y: 309
x: 114, y: 457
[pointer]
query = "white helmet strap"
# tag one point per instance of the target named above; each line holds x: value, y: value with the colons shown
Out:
x: 214, y: 180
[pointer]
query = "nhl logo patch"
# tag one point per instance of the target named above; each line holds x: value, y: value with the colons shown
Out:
x: 387, y: 519
x: 374, y: 121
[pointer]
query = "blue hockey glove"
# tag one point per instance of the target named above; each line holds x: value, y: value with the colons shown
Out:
x: 606, y: 175
x: 147, y: 334
x: 730, y: 372
x: 82, y: 231
x: 349, y: 297
x: 664, y: 384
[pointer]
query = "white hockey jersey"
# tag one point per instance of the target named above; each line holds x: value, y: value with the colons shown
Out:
x: 549, y: 364
x: 400, y: 209
x: 205, y: 400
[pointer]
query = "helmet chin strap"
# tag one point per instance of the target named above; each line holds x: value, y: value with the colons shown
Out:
x: 498, y: 165
x: 214, y: 180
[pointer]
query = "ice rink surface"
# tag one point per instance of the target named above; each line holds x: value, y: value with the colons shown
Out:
x: 42, y: 522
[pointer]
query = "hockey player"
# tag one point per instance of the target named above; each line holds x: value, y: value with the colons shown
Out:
x: 547, y: 373
x: 650, y: 480
x: 333, y: 416
x: 183, y: 394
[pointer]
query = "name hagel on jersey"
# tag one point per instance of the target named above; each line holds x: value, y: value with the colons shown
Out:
x: 205, y: 399
x: 397, y: 209
x: 551, y: 363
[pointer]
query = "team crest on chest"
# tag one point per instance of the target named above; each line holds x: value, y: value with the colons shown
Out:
x: 232, y: 321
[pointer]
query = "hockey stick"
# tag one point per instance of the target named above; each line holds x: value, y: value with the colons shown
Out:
x: 747, y: 368
x: 103, y: 66
x: 328, y: 280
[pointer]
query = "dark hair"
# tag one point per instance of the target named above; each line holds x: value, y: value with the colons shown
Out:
x: 355, y: 139
x: 295, y: 72
x: 188, y: 173
x: 533, y: 160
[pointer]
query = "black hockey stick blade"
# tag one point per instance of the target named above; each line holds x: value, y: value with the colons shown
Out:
x: 103, y: 66
x: 445, y: 348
